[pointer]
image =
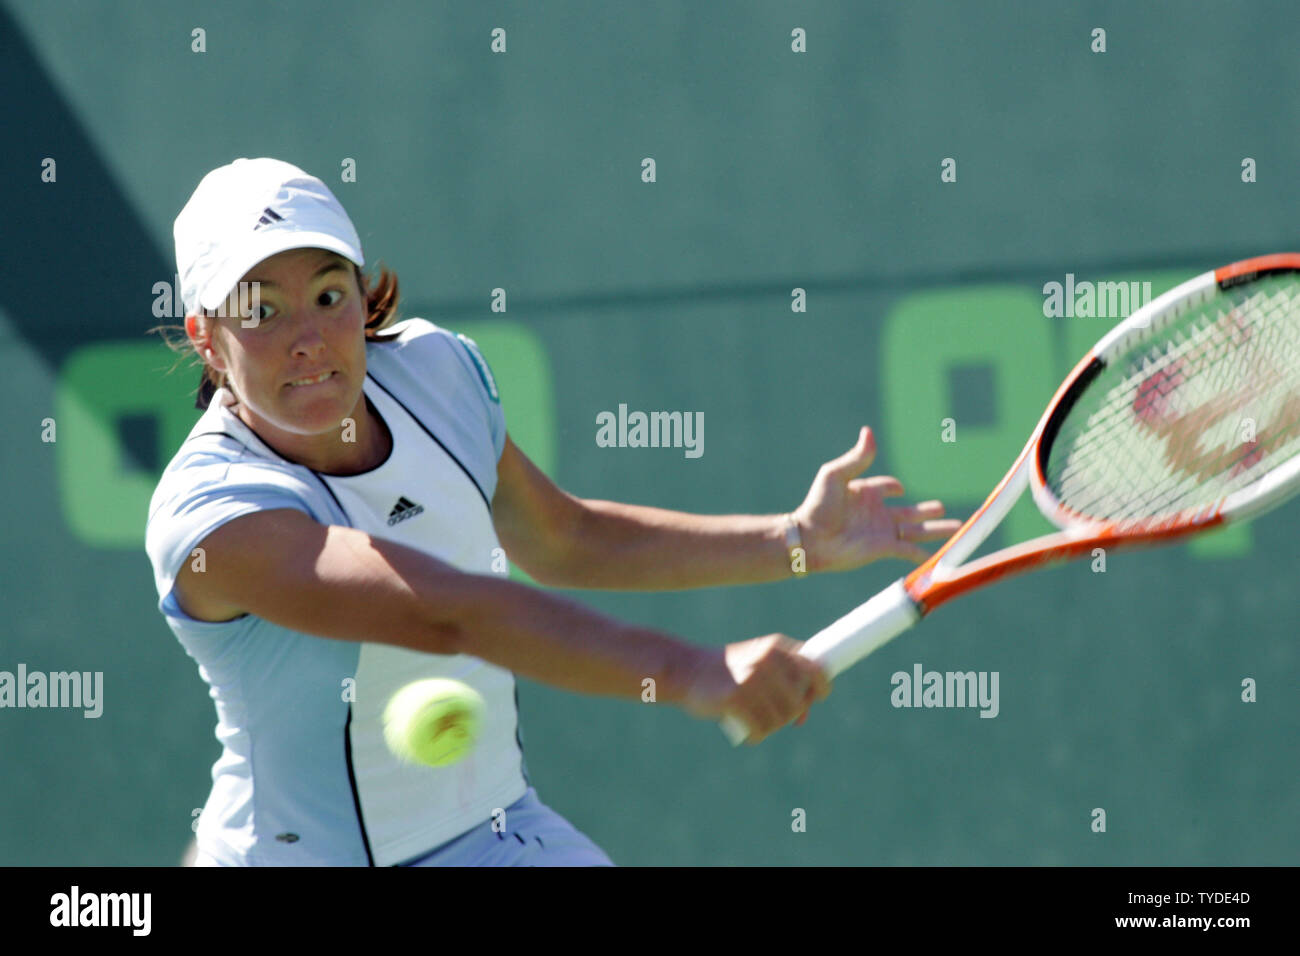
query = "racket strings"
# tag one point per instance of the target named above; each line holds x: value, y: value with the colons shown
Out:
x: 1188, y: 412
x: 1187, y: 422
x: 1168, y: 373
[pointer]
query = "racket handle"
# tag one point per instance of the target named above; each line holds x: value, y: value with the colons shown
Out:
x: 845, y: 642
x: 867, y: 627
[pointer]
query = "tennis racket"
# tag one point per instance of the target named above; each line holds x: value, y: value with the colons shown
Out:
x: 1184, y: 417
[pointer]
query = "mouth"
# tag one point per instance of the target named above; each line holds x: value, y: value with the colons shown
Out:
x: 313, y: 380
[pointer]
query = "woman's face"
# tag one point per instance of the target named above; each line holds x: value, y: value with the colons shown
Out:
x: 310, y: 319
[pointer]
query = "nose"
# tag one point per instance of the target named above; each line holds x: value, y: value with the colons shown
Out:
x: 310, y: 338
x: 309, y: 343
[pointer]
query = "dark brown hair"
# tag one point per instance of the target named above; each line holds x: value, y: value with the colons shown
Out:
x: 381, y: 313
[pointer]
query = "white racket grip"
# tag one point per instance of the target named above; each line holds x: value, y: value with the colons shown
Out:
x: 864, y: 629
x: 845, y: 642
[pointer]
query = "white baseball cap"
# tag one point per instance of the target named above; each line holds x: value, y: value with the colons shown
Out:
x: 247, y: 211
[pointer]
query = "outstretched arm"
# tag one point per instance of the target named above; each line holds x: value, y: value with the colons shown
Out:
x: 341, y: 583
x: 843, y: 523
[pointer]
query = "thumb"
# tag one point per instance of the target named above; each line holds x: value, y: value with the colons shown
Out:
x: 858, y: 458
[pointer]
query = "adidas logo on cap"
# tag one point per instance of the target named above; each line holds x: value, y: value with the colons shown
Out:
x: 268, y: 216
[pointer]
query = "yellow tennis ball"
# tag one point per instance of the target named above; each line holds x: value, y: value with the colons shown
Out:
x: 434, y: 721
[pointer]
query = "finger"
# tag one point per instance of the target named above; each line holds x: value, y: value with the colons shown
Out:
x: 806, y: 678
x: 819, y: 682
x: 824, y: 685
x: 929, y: 530
x: 819, y: 689
x: 789, y: 689
x: 886, y: 486
x: 784, y: 684
x: 781, y: 685
x: 857, y: 459
x: 809, y: 699
x: 761, y: 719
x: 905, y: 514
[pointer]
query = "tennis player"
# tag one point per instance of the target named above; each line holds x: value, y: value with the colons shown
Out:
x: 333, y: 527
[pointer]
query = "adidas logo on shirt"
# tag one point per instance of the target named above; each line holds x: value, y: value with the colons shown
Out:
x: 405, y: 508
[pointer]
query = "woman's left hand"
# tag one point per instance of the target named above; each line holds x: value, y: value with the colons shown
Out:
x: 845, y: 523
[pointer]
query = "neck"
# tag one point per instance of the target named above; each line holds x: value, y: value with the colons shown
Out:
x: 326, y: 453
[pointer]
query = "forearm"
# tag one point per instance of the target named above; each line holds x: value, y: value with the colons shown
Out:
x: 558, y: 642
x: 614, y: 545
x: 341, y: 583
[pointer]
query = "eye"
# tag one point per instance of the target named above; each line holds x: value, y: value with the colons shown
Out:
x: 324, y: 296
x: 260, y: 310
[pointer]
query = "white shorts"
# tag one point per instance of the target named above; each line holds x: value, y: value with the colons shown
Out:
x: 533, y: 835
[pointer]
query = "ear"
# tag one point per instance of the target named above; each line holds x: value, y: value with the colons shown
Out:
x: 200, y: 335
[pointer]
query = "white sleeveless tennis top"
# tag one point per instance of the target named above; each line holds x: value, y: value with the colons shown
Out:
x: 305, y: 777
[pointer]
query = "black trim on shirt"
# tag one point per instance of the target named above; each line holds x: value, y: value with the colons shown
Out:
x: 352, y: 784
x: 519, y: 740
x: 414, y: 418
x: 338, y: 504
